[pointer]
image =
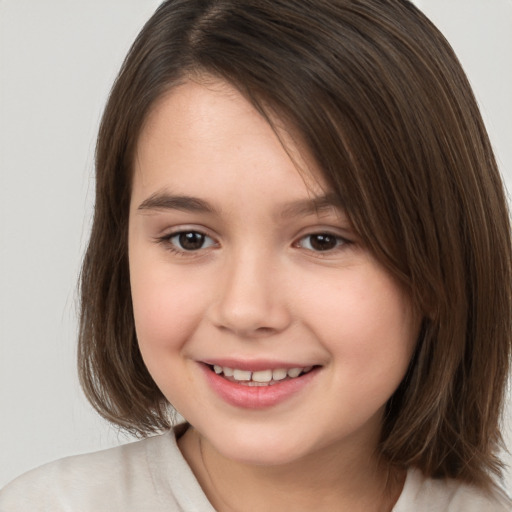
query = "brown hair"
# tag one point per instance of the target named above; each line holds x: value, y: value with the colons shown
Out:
x: 382, y: 103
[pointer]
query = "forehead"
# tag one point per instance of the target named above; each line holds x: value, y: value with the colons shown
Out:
x: 207, y: 131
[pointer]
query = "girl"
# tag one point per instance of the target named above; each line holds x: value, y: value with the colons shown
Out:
x: 301, y: 242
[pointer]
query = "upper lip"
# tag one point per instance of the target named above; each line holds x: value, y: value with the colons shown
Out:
x: 254, y: 365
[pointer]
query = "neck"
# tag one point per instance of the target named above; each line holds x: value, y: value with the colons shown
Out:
x: 333, y: 479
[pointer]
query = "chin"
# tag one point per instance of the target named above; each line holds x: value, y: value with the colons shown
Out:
x: 258, y: 447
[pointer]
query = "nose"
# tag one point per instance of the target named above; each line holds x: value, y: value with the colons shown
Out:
x: 251, y: 299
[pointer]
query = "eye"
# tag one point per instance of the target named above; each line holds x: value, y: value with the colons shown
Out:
x: 190, y: 241
x: 319, y: 242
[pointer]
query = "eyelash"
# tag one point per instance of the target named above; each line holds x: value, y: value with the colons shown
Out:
x: 339, y: 241
x: 323, y: 236
x: 174, y: 248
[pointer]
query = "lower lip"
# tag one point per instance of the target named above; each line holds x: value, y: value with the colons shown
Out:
x: 256, y: 397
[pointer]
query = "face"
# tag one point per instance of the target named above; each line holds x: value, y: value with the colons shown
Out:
x: 259, y: 313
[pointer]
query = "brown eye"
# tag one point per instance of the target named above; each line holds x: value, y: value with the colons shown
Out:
x: 321, y: 242
x: 191, y: 241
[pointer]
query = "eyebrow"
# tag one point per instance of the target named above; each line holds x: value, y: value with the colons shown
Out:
x: 301, y: 207
x: 314, y: 205
x: 165, y: 201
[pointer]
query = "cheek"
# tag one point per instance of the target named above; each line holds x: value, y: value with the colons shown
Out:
x: 167, y: 305
x: 367, y: 323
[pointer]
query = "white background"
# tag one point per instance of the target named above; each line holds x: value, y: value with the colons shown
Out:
x: 58, y: 59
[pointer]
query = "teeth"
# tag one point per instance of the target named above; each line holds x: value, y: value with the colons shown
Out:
x: 260, y: 377
x: 279, y: 374
x: 241, y: 375
x: 263, y: 376
x: 294, y: 372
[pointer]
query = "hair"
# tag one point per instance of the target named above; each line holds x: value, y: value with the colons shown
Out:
x: 384, y: 107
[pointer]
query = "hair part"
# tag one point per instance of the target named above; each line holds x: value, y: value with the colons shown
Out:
x: 384, y: 107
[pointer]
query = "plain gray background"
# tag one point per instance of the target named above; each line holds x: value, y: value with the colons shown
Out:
x: 58, y: 59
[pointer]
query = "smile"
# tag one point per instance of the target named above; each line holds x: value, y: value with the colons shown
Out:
x: 267, y: 377
x: 257, y: 387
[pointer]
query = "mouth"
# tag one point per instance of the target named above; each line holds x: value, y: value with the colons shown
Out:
x: 260, y: 378
x: 258, y: 384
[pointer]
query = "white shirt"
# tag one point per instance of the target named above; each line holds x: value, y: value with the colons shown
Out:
x: 152, y: 476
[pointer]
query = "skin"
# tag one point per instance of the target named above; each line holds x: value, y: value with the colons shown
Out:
x: 256, y: 289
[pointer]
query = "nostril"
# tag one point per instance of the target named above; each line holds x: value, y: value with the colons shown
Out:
x: 265, y: 330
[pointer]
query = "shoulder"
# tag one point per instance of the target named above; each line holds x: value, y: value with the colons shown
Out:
x: 425, y: 495
x: 120, y: 476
